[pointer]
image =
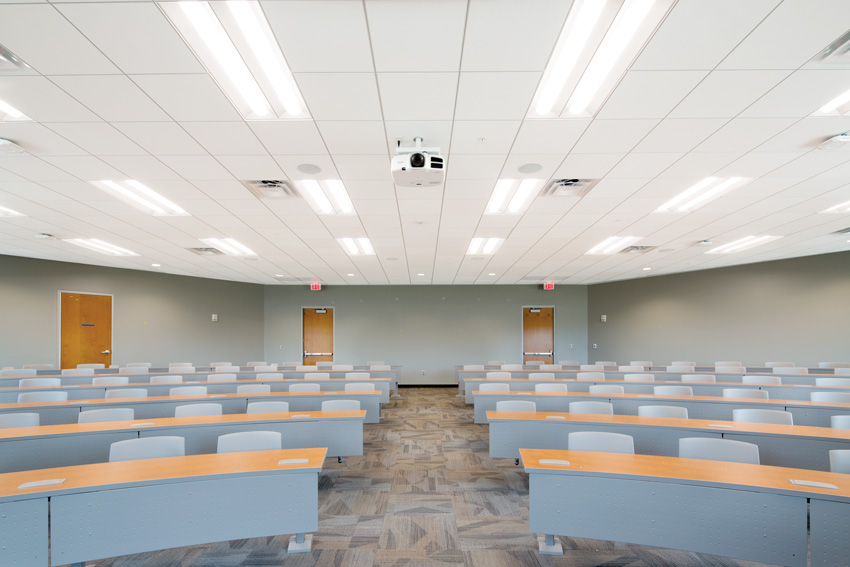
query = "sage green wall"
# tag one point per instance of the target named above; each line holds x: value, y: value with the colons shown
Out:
x: 426, y: 329
x: 157, y: 318
x: 796, y: 310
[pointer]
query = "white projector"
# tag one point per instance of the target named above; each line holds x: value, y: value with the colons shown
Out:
x: 418, y: 167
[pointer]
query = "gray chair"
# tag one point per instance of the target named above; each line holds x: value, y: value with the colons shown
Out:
x: 550, y: 387
x: 317, y: 376
x: 269, y: 376
x: 604, y: 408
x: 177, y: 364
x: 606, y: 389
x: 602, y: 441
x: 745, y: 393
x: 672, y: 390
x: 96, y: 365
x: 226, y: 369
x: 268, y: 407
x: 591, y: 367
x: 359, y: 387
x: 341, y: 405
x: 777, y: 417
x: 265, y: 368
x: 644, y: 363
x: 218, y: 364
x: 840, y: 421
x: 590, y: 376
x: 730, y: 369
x: 357, y: 375
x: 697, y: 378
x: 147, y: 364
x: 77, y: 372
x: 839, y: 461
x: 110, y: 380
x: 516, y: 405
x: 196, y: 410
x: 18, y: 372
x: 304, y: 388
x: 52, y: 396
x: 675, y: 368
x: 683, y: 363
x: 108, y: 414
x: 631, y: 368
x: 832, y: 382
x: 147, y: 448
x: 549, y: 367
x: 511, y: 366
x: 256, y: 363
x: 188, y: 391
x: 761, y: 379
x: 713, y: 449
x: 497, y: 375
x: 139, y: 370
x: 249, y: 441
x: 473, y: 367
x: 173, y: 379
x: 494, y: 387
x: 833, y: 364
x: 342, y: 367
x: 39, y: 382
x: 23, y: 419
x: 663, y: 411
x: 541, y: 375
x: 253, y: 389
x: 226, y: 377
x: 127, y: 393
x: 775, y: 364
x: 727, y: 363
x: 639, y: 377
x: 830, y: 397
x: 790, y: 370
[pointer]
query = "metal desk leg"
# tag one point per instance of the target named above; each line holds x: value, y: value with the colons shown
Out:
x: 547, y: 545
x: 300, y: 543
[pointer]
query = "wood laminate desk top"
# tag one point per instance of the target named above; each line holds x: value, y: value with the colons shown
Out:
x: 190, y: 383
x: 760, y: 478
x: 97, y: 476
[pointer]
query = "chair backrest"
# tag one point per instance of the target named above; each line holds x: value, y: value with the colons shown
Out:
x: 840, y: 371
x: 108, y: 414
x: 39, y: 382
x: 761, y: 379
x: 225, y: 377
x: 511, y: 366
x: 171, y: 379
x: 388, y: 367
x: 493, y: 387
x: 226, y: 369
x: 317, y: 376
x: 304, y: 388
x: 249, y: 441
x: 267, y: 407
x: 140, y: 370
x: 253, y: 389
x: 550, y: 367
x: 92, y: 365
x: 790, y: 370
x: 77, y: 372
x: 185, y: 369
x: 195, y: 410
x: 23, y: 419
x: 683, y: 363
x: 730, y: 369
x: 605, y: 408
x: 127, y: 393
x: 832, y: 382
x: 606, y: 389
x: 727, y: 363
x: 644, y: 363
x: 516, y: 405
x: 713, y: 449
x: 340, y: 405
x: 672, y: 390
x: 830, y: 397
x: 342, y: 367
x: 147, y: 448
x: 305, y: 368
x: 839, y: 461
x: 603, y: 441
x: 359, y: 386
x: 568, y: 363
x: 495, y: 362
x: 325, y: 364
x: 114, y: 380
x: 177, y: 364
x: 609, y: 363
x: 533, y: 362
x: 591, y: 367
x: 188, y: 391
x: 40, y: 366
x: 639, y: 377
x: 497, y: 375
x: 217, y: 364
x: 374, y: 362
x: 745, y: 393
x: 256, y: 363
x: 680, y: 368
x: 778, y: 417
x: 695, y: 378
x: 590, y: 376
x: 663, y: 411
x: 18, y: 372
x: 631, y: 368
x: 147, y: 364
x: 541, y: 375
x: 835, y: 421
x: 775, y: 364
x: 357, y: 375
x: 269, y: 376
x: 473, y: 367
x: 550, y: 388
x: 833, y: 364
x: 51, y: 396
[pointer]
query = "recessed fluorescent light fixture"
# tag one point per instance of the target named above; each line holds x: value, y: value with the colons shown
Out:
x: 485, y: 246
x: 842, y: 208
x: 512, y: 196
x: 701, y: 194
x: 9, y: 113
x: 743, y: 244
x: 6, y: 212
x: 837, y: 106
x: 100, y: 246
x: 229, y: 246
x: 140, y: 196
x: 326, y: 197
x: 357, y: 246
x: 597, y: 44
x: 613, y: 245
x: 236, y: 44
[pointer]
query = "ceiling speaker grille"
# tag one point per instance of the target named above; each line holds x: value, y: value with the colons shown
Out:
x: 568, y: 187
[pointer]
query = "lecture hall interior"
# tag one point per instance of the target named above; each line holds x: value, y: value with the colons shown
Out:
x: 440, y: 283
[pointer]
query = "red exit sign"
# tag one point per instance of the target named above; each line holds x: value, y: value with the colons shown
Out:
x: 548, y: 285
x: 315, y: 286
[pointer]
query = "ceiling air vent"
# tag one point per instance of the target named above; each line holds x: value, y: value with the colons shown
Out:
x: 206, y: 251
x: 637, y: 249
x: 568, y: 187
x: 843, y: 231
x: 271, y: 189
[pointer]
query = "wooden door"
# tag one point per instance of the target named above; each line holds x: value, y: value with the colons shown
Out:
x: 318, y: 334
x: 86, y: 329
x: 538, y: 334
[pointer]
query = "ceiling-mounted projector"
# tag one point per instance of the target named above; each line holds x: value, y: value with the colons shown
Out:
x: 417, y: 167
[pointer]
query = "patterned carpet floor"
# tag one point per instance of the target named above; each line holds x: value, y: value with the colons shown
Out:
x: 425, y: 494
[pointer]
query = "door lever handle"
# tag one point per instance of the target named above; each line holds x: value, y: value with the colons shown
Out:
x: 105, y: 352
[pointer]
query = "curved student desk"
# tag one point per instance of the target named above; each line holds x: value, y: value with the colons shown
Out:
x: 699, y: 407
x: 798, y: 446
x: 751, y: 512
x: 53, y: 413
x: 9, y: 394
x: 46, y: 446
x: 110, y: 509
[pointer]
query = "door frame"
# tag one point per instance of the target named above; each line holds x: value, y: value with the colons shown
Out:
x: 59, y: 321
x: 522, y: 330
x: 301, y: 318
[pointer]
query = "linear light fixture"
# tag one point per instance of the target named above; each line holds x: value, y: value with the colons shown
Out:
x: 842, y: 208
x: 229, y: 246
x: 701, y: 194
x: 613, y: 245
x: 100, y: 246
x: 743, y: 244
x: 484, y: 246
x: 598, y: 42
x: 6, y: 212
x: 326, y: 197
x: 357, y: 246
x: 140, y: 196
x: 512, y: 196
x: 9, y: 113
x: 234, y: 41
x: 838, y: 105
